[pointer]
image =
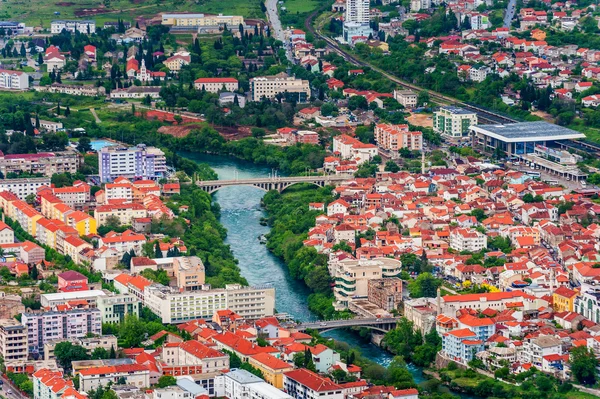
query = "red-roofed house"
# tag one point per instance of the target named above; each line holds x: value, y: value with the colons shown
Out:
x: 72, y: 281
x: 302, y: 383
x: 215, y: 85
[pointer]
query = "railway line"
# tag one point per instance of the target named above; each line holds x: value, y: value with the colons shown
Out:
x: 484, y: 116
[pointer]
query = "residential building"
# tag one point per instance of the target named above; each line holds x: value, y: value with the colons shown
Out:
x: 114, y: 308
x: 189, y: 272
x: 13, y: 80
x: 241, y: 384
x: 192, y: 357
x: 173, y: 306
x: 453, y: 122
x: 394, y: 137
x: 461, y: 345
x: 72, y: 281
x: 351, y: 148
x: 498, y: 301
x: 48, y: 384
x: 228, y: 98
x: 464, y: 239
x: 23, y: 188
x: 352, y: 276
x: 7, y: 235
x: 13, y: 341
x: 287, y: 87
x: 139, y: 162
x: 139, y: 92
x: 62, y: 298
x: 357, y: 11
x: 587, y: 303
x: 177, y: 61
x: 535, y: 349
x: 563, y: 299
x: 271, y: 367
x: 45, y: 163
x: 137, y: 375
x: 421, y: 312
x: 305, y: 384
x: 86, y: 27
x: 407, y: 98
x: 215, y: 85
x: 47, y: 326
x: 105, y: 341
x: 123, y: 242
x: 48, y: 126
x: 197, y: 20
x: 125, y: 212
x: 386, y: 293
x: 74, y: 90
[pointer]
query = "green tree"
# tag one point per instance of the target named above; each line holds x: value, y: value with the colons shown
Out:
x: 100, y: 353
x: 424, y: 286
x: 166, y: 381
x: 131, y: 332
x: 84, y: 145
x: 157, y: 250
x: 66, y: 352
x: 391, y: 166
x: 584, y: 365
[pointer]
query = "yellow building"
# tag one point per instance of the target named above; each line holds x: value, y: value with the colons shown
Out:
x: 61, y: 211
x: 271, y: 367
x: 563, y: 299
x: 82, y: 222
x: 48, y: 201
x: 73, y: 247
x: 26, y: 216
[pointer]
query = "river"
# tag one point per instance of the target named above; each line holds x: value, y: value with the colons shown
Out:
x: 240, y: 214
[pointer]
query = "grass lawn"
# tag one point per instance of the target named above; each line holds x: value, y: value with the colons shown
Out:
x: 592, y: 134
x: 36, y: 12
x: 294, y: 6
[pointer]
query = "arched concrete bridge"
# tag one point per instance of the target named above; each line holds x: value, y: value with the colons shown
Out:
x: 272, y: 183
x: 379, y: 324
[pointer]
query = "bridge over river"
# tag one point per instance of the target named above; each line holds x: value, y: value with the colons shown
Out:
x: 383, y: 324
x: 273, y: 183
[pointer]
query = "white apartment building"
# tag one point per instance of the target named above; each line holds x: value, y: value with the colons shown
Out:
x: 467, y: 240
x: 215, y: 85
x: 450, y: 304
x: 48, y: 326
x: 87, y: 27
x: 49, y: 384
x: 417, y: 5
x: 352, y: 276
x: 189, y: 272
x: 357, y: 11
x: 172, y: 392
x: 13, y: 341
x: 139, y: 162
x: 24, y: 187
x: 137, y: 375
x: 351, y: 148
x: 241, y: 384
x: 61, y: 298
x: 173, y: 306
x: 7, y: 235
x: 453, y: 121
x: 407, y: 98
x: 196, y: 20
x: 74, y: 90
x: 136, y: 92
x: 118, y: 191
x: 124, y: 242
x: 13, y: 80
x: 535, y: 349
x: 305, y: 384
x: 270, y: 86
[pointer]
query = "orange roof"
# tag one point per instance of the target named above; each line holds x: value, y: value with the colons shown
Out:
x: 271, y: 362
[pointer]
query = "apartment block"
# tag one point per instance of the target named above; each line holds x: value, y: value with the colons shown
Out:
x: 467, y: 240
x: 394, y: 137
x: 7, y: 235
x: 215, y: 85
x: 352, y: 276
x: 86, y: 27
x: 305, y: 384
x: 461, y: 345
x: 407, y: 98
x: 124, y: 212
x: 137, y: 375
x: 287, y: 87
x: 453, y: 122
x: 353, y: 149
x: 48, y: 384
x: 13, y: 341
x: 139, y: 162
x: 181, y: 357
x: 45, y: 163
x: 189, y: 272
x: 114, y: 308
x: 24, y: 187
x: 13, y: 80
x: 241, y: 384
x: 173, y: 306
x: 386, y: 293
x: 48, y: 326
x: 197, y: 20
x: 105, y: 341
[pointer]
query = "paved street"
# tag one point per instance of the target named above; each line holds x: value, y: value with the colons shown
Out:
x: 510, y: 13
x: 276, y: 29
x: 6, y: 387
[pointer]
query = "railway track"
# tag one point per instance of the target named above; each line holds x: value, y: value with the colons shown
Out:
x: 484, y: 116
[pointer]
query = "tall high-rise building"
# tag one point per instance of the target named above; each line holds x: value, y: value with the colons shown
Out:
x: 357, y: 11
x: 139, y: 162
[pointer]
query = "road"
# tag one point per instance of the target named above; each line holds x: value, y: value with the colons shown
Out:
x: 6, y: 386
x: 277, y: 32
x: 510, y: 13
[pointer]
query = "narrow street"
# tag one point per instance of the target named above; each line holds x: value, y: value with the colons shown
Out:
x: 510, y: 13
x: 277, y: 29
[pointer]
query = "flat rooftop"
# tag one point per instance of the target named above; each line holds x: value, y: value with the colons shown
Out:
x: 527, y: 132
x: 457, y: 110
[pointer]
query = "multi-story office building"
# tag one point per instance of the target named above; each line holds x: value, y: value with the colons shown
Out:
x: 173, y: 306
x: 13, y: 80
x: 48, y: 326
x: 13, y: 341
x: 139, y: 162
x: 114, y: 308
x: 281, y: 84
x: 87, y: 27
x: 352, y: 277
x: 453, y: 122
x: 241, y: 384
